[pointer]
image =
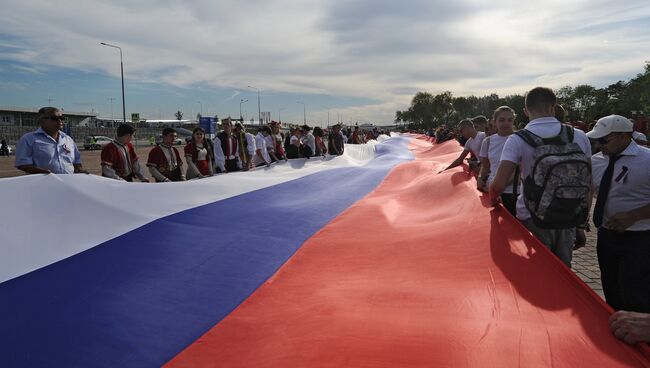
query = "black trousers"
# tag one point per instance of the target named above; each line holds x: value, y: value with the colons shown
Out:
x: 624, y: 260
x: 510, y: 202
x: 231, y: 166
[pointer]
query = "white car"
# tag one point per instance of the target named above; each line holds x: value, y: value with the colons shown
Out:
x: 177, y: 141
x: 96, y: 142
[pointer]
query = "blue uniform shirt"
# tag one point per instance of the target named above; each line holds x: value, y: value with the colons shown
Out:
x: 39, y: 149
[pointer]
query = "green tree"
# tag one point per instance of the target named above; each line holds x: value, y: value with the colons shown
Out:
x: 420, y: 113
x: 584, y: 97
x: 443, y: 108
x: 517, y: 103
x: 582, y: 102
x: 179, y: 115
x: 463, y: 107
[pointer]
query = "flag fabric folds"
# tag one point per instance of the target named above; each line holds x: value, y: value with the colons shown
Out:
x: 372, y: 259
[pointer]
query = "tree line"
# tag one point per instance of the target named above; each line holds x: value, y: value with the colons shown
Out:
x: 582, y: 103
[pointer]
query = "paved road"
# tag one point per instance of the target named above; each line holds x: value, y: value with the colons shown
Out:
x: 585, y: 264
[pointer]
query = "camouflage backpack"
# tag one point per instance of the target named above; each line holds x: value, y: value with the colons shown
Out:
x: 557, y: 188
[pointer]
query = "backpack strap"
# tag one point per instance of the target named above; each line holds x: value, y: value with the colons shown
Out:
x: 564, y: 137
x: 569, y: 131
x: 530, y: 138
x: 515, y: 181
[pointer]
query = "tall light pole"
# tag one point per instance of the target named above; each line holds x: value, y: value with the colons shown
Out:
x: 280, y: 114
x: 240, y: 115
x: 259, y: 109
x: 122, y: 73
x: 111, y: 99
x: 328, y: 115
x: 304, y: 112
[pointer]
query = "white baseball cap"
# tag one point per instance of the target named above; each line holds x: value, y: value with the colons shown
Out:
x: 639, y: 136
x: 611, y: 124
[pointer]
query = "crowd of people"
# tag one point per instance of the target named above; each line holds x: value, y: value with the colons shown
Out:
x: 546, y: 176
x: 50, y: 150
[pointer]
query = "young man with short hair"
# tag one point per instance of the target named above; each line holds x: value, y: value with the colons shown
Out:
x: 540, y: 108
x: 226, y: 149
x: 261, y: 156
x: 308, y: 142
x: 119, y: 159
x: 481, y: 123
x: 248, y: 146
x: 164, y: 160
x: 472, y: 145
x: 335, y: 141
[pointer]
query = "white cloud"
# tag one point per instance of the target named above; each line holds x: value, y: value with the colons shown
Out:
x: 382, y: 50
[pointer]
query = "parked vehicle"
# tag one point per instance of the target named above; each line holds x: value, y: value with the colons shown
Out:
x: 5, y: 149
x: 96, y: 142
x: 184, y: 136
x: 177, y: 141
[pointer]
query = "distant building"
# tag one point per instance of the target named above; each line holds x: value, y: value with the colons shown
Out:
x: 16, y: 116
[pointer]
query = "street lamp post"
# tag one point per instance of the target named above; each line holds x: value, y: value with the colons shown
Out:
x: 259, y: 109
x: 241, y: 117
x: 280, y: 114
x: 122, y: 73
x: 111, y: 99
x: 304, y: 112
x: 328, y: 115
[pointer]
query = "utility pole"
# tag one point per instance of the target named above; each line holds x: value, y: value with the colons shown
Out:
x: 111, y: 99
x: 122, y: 74
x: 304, y: 112
x: 259, y: 109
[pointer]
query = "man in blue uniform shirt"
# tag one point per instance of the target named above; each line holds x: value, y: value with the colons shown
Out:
x: 48, y: 150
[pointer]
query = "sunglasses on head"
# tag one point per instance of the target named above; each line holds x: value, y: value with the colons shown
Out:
x: 56, y: 117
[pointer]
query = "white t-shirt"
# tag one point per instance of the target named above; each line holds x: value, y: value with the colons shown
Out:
x: 250, y: 144
x: 493, y: 154
x: 630, y: 187
x: 260, y: 144
x: 270, y: 143
x: 517, y: 151
x: 294, y: 140
x: 310, y: 141
x: 474, y: 144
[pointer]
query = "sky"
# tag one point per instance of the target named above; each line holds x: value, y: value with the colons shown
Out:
x: 358, y: 60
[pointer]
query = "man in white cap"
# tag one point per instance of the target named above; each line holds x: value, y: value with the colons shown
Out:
x: 621, y: 178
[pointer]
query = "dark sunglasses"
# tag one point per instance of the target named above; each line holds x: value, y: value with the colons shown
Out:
x: 56, y: 117
x: 604, y: 141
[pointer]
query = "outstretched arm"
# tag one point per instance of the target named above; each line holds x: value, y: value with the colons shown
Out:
x: 458, y: 161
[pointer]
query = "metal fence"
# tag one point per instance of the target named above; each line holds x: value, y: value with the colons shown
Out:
x: 12, y: 133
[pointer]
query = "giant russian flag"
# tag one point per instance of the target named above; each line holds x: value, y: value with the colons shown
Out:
x: 370, y: 259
